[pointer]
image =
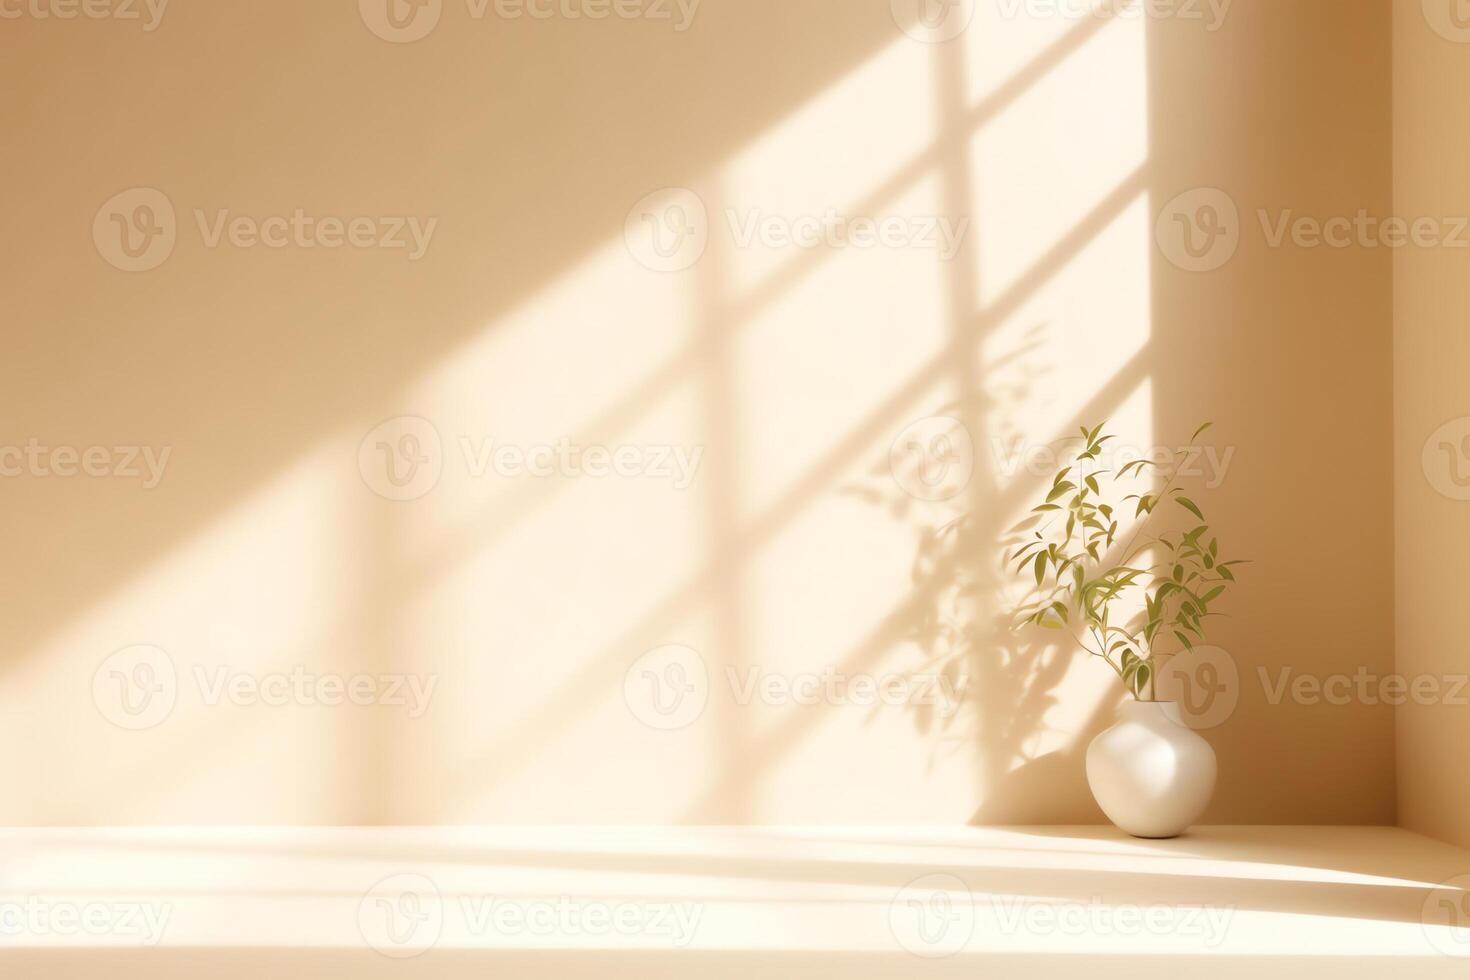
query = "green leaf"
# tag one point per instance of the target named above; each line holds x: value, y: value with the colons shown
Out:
x: 1189, y: 505
x: 1140, y: 678
x: 1200, y: 431
x: 1040, y: 567
x: 1060, y: 489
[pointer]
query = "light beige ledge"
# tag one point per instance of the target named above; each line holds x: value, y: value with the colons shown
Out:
x: 717, y: 902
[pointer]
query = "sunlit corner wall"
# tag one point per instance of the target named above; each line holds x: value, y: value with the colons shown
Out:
x: 1432, y: 420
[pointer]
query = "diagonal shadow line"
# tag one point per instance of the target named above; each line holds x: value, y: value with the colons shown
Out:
x: 766, y: 292
x: 514, y: 750
x: 527, y: 497
x: 722, y: 501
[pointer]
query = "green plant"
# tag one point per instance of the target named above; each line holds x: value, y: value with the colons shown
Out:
x: 1084, y: 579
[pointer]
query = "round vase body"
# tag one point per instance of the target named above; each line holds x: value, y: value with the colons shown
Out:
x: 1151, y: 775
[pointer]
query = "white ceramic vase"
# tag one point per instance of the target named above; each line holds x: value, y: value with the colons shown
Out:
x: 1151, y: 775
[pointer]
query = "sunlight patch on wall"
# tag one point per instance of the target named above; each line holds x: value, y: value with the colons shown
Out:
x: 851, y: 351
x: 827, y: 163
x: 1006, y: 38
x: 584, y: 363
x: 1057, y: 152
x: 1070, y: 354
x: 168, y: 733
x: 567, y: 533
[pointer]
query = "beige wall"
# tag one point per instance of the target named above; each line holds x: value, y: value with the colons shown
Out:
x: 1431, y: 406
x: 799, y: 548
